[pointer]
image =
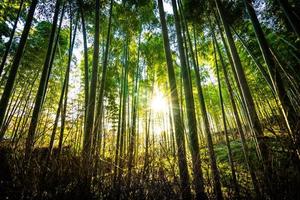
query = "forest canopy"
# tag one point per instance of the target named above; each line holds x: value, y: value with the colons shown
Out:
x: 137, y: 99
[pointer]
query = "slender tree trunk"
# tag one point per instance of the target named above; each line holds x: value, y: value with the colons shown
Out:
x: 87, y: 141
x: 12, y: 110
x: 60, y: 99
x: 246, y: 94
x: 98, y: 124
x: 227, y: 50
x: 86, y: 64
x: 292, y: 76
x: 53, y: 53
x: 265, y: 75
x: 172, y: 139
x: 8, y: 44
x: 292, y: 19
x: 239, y: 125
x: 15, y: 65
x: 134, y: 116
x: 190, y: 107
x: 24, y: 124
x: 147, y: 132
x: 230, y: 157
x: 118, y: 132
x: 290, y: 114
x: 207, y: 131
x: 105, y: 121
x: 23, y: 112
x: 259, y: 66
x: 215, y: 172
x: 179, y: 132
x: 66, y: 84
x: 42, y: 86
x: 124, y: 111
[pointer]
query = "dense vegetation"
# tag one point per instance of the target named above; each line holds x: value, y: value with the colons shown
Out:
x: 137, y: 99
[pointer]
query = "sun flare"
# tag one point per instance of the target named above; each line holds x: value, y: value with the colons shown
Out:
x: 159, y: 103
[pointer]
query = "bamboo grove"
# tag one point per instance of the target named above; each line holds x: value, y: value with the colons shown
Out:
x: 137, y: 99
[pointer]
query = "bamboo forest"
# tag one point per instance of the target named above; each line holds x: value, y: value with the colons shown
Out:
x: 149, y: 99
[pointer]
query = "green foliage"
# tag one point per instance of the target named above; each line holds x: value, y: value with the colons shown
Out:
x: 136, y: 31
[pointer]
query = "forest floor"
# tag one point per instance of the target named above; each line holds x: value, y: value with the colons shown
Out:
x: 63, y: 178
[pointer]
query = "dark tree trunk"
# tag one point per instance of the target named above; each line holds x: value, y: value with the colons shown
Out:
x: 263, y: 152
x: 86, y: 64
x: 239, y: 125
x: 15, y: 65
x: 42, y: 86
x: 118, y: 132
x: 98, y: 124
x: 134, y: 116
x: 290, y: 114
x: 259, y: 66
x: 87, y: 141
x: 292, y: 19
x: 8, y: 44
x: 61, y: 96
x: 124, y: 111
x: 230, y: 157
x: 179, y: 132
x: 66, y: 84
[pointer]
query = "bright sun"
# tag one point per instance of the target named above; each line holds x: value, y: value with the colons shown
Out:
x: 159, y: 103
